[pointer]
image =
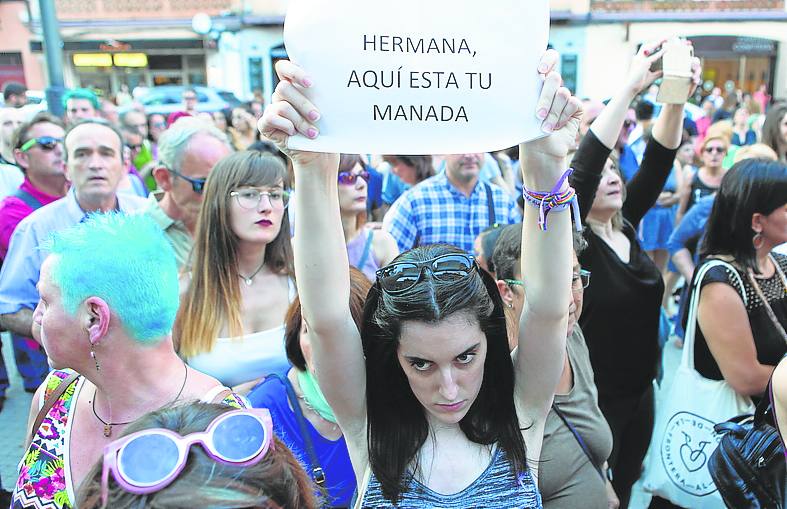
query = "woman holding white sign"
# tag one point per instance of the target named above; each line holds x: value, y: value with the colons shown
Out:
x: 434, y: 409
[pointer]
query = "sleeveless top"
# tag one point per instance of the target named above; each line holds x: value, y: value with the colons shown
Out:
x: 233, y: 361
x: 44, y: 475
x: 495, y: 487
x: 331, y: 455
x: 361, y: 255
x: 768, y: 341
x: 699, y: 189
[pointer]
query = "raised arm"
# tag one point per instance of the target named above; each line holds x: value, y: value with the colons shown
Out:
x: 546, y: 255
x: 643, y: 190
x: 588, y: 162
x: 321, y: 264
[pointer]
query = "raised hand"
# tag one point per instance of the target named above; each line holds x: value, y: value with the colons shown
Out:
x: 640, y: 75
x: 290, y: 112
x: 559, y: 110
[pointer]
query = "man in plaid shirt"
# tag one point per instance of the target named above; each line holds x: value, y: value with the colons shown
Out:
x: 450, y: 208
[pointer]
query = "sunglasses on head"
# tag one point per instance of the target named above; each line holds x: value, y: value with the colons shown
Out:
x: 401, y: 276
x: 45, y: 142
x: 196, y: 184
x: 148, y: 461
x: 348, y: 178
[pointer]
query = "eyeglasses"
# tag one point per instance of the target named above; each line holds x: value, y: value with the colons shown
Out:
x: 251, y: 198
x: 580, y: 280
x: 718, y: 150
x: 149, y: 460
x: 348, y: 178
x: 45, y: 142
x: 196, y: 184
x: 134, y: 148
x: 513, y: 282
x: 402, y: 276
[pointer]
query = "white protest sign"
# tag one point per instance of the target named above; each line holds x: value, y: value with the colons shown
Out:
x: 419, y: 76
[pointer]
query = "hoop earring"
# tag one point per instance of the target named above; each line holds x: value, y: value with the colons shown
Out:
x: 757, y: 240
x: 93, y: 356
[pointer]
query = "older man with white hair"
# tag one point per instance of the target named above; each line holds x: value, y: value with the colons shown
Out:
x: 187, y: 152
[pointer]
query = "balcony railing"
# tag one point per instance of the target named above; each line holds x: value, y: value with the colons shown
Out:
x: 685, y: 5
x: 139, y: 9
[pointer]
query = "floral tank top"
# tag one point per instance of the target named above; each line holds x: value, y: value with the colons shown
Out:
x: 44, y: 478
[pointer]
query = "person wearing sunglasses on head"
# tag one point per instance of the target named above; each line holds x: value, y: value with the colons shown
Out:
x: 94, y: 165
x: 109, y: 295
x: 39, y: 152
x: 368, y: 248
x: 231, y: 320
x: 434, y: 409
x: 577, y: 438
x: 198, y: 455
x: 187, y: 151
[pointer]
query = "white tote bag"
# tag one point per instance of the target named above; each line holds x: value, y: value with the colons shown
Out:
x: 683, y: 436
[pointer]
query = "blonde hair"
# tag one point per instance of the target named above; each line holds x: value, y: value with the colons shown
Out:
x: 719, y: 130
x: 756, y: 151
x: 213, y: 297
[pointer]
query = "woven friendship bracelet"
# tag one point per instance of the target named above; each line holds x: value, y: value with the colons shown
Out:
x: 561, y: 197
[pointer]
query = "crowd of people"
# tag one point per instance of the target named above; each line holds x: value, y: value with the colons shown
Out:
x: 208, y: 318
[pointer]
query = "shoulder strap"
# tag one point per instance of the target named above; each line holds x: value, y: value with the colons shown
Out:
x: 50, y: 401
x: 578, y: 437
x: 367, y: 248
x: 691, y: 322
x: 318, y: 474
x: 28, y: 199
x: 490, y: 202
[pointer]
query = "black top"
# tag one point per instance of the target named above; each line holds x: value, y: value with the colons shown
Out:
x: 768, y: 341
x: 620, y: 316
x: 699, y: 189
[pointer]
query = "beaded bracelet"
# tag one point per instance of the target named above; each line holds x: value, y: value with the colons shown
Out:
x: 561, y: 197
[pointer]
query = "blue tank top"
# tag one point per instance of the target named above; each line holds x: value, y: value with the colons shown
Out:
x: 332, y: 456
x: 495, y: 487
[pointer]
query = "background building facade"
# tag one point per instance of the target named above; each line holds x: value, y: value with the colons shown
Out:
x: 110, y: 43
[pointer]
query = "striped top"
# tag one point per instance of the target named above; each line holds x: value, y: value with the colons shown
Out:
x: 495, y: 487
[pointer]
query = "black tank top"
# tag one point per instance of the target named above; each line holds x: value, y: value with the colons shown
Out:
x: 699, y: 189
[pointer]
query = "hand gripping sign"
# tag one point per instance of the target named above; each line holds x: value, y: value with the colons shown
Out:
x: 419, y: 76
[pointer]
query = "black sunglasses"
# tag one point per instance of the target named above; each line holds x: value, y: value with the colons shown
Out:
x: 45, y: 142
x: 196, y: 184
x: 401, y: 276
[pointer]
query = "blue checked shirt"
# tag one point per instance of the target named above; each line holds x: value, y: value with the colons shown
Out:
x: 435, y: 212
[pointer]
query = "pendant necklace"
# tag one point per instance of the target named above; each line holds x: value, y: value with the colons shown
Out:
x: 108, y: 425
x: 248, y: 280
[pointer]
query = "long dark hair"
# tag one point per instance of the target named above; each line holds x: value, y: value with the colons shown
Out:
x: 751, y: 186
x: 397, y: 425
x: 771, y: 130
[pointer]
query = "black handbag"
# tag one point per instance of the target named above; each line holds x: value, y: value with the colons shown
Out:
x: 749, y: 467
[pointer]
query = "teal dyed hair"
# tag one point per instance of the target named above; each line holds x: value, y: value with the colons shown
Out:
x: 81, y: 93
x: 125, y: 260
